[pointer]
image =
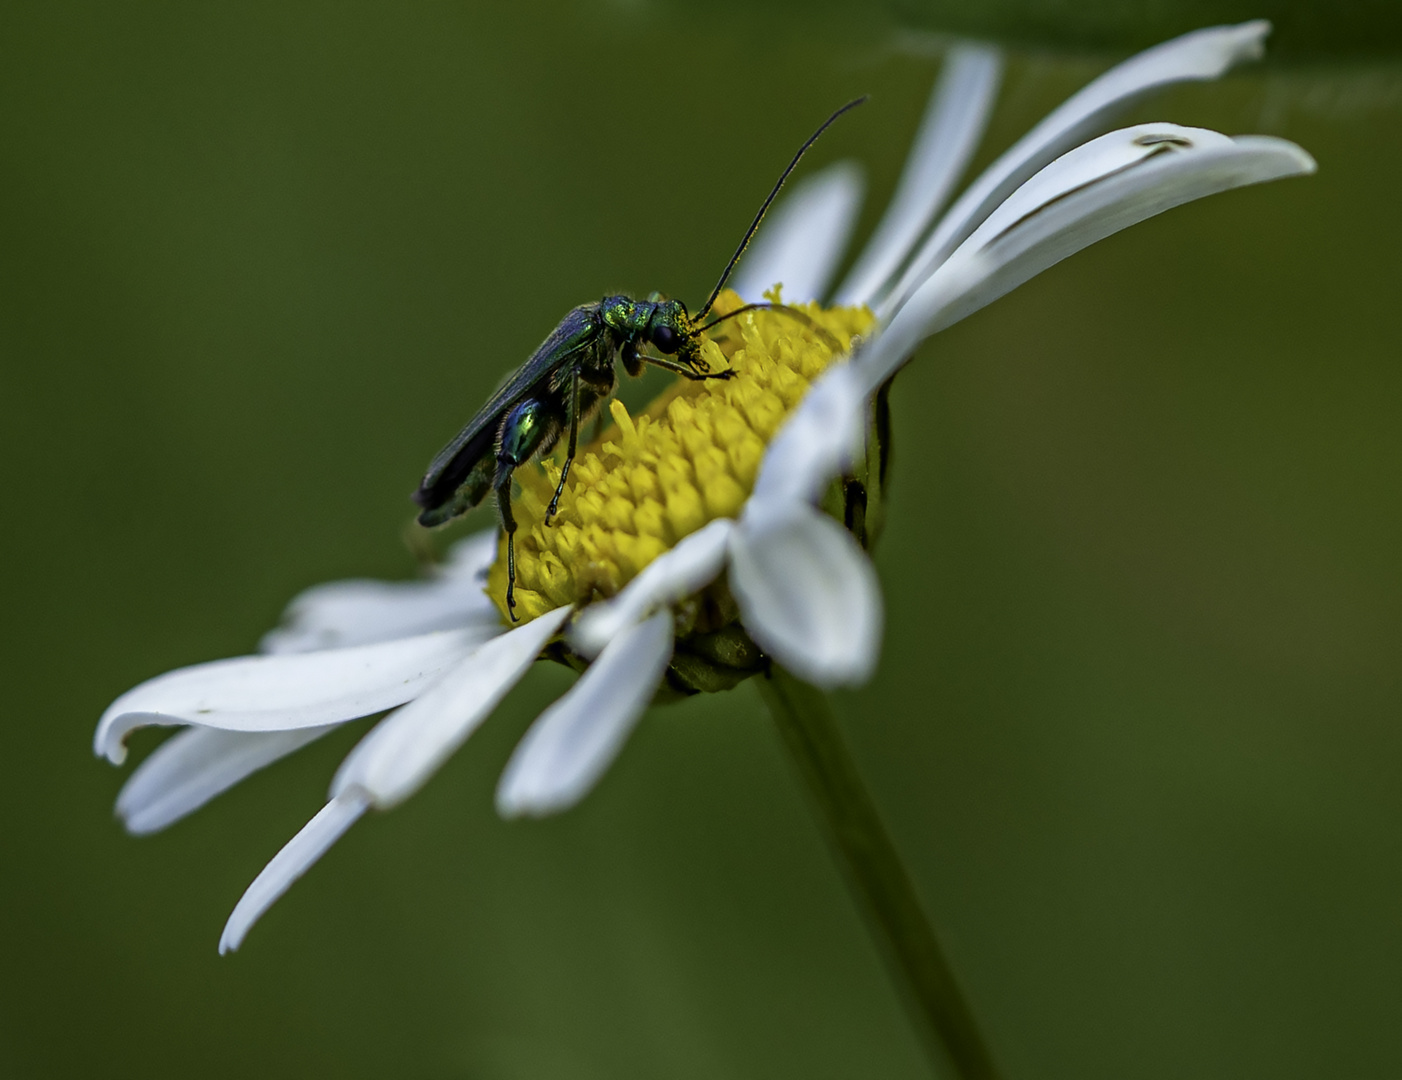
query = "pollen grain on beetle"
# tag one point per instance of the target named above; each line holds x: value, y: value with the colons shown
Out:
x: 690, y: 457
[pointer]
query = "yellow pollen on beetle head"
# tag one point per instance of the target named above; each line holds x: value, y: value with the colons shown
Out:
x: 691, y: 457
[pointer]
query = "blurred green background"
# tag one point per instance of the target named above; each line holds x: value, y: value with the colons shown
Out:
x: 1137, y: 721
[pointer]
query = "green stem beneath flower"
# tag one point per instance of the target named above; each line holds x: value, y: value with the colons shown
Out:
x: 875, y: 873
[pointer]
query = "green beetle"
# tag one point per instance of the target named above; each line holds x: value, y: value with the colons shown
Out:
x: 563, y: 383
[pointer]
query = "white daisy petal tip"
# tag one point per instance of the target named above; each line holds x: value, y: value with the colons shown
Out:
x: 808, y: 595
x: 195, y: 765
x: 1243, y: 42
x: 284, y: 692
x: 568, y: 748
x: 296, y: 857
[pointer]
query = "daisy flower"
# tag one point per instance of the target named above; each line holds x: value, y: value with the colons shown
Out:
x: 724, y: 527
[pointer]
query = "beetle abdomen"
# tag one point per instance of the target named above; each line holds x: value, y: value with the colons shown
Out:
x: 439, y: 490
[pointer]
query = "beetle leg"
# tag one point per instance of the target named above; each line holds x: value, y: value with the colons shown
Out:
x: 502, y: 484
x: 569, y: 454
x: 687, y: 372
x: 632, y: 364
x: 530, y: 424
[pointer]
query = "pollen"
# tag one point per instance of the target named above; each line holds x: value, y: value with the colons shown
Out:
x: 690, y: 457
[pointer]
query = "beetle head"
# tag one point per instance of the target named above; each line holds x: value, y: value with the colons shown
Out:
x: 669, y: 327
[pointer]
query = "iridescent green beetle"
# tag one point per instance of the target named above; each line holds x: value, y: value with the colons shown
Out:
x: 563, y: 383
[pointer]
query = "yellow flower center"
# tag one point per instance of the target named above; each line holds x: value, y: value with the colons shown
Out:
x: 691, y: 457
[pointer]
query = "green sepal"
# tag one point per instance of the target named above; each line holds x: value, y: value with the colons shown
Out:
x: 701, y: 663
x: 710, y: 663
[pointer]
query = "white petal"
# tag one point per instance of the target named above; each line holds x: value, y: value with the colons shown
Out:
x: 294, y: 860
x: 803, y: 237
x: 279, y: 693
x: 407, y: 747
x: 687, y: 568
x: 954, y: 123
x: 817, y: 442
x: 193, y: 766
x: 808, y: 595
x: 358, y: 612
x: 570, y: 745
x: 472, y: 556
x: 1197, y: 56
x: 1097, y: 189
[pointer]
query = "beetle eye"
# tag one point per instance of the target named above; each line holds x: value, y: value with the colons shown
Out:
x: 665, y: 338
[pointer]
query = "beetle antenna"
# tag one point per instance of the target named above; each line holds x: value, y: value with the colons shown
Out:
x: 765, y: 306
x: 802, y: 316
x: 763, y: 209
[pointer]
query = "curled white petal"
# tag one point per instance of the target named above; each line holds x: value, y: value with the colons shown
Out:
x: 407, y: 747
x: 818, y: 441
x: 295, y: 859
x: 280, y: 693
x: 803, y: 237
x: 808, y: 595
x: 690, y: 566
x: 359, y: 612
x: 570, y: 745
x: 195, y: 765
x: 1095, y: 190
x: 1196, y: 56
x: 954, y: 123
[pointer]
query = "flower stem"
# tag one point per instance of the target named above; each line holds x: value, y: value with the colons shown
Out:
x: 875, y: 873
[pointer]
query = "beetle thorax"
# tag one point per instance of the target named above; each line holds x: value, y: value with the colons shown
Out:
x: 626, y: 317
